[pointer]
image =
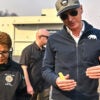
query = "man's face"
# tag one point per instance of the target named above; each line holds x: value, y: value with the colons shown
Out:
x: 4, y: 54
x: 72, y: 18
x: 44, y: 39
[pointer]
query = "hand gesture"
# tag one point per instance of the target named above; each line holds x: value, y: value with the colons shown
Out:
x: 93, y: 72
x: 66, y: 84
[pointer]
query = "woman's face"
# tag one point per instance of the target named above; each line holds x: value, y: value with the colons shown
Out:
x: 4, y: 54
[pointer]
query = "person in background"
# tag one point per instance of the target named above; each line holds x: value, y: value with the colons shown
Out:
x: 31, y: 60
x: 11, y: 77
x: 74, y: 52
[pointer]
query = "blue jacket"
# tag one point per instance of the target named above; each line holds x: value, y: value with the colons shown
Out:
x: 64, y: 55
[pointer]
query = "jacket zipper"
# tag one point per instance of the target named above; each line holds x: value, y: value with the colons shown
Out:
x: 77, y: 62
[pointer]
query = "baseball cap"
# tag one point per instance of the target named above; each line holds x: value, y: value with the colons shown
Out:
x: 64, y: 5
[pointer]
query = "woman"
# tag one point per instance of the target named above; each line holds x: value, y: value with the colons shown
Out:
x: 10, y: 73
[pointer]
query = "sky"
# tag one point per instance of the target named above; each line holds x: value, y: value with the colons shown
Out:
x: 26, y: 7
x: 91, y: 8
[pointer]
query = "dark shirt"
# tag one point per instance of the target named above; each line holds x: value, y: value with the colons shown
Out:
x: 32, y: 56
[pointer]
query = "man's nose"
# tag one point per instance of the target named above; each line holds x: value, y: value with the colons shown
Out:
x: 70, y: 17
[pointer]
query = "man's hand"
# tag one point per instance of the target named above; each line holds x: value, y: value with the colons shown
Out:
x: 30, y: 90
x: 66, y: 84
x: 93, y: 72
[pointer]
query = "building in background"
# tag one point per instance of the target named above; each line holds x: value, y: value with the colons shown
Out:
x: 22, y: 29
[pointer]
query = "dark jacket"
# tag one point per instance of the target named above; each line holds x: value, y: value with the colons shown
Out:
x: 11, y: 80
x: 64, y: 55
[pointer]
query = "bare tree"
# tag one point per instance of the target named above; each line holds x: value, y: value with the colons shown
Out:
x: 1, y: 13
x: 13, y: 14
x: 6, y: 13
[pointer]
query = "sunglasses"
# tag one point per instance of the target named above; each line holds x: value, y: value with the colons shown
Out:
x: 44, y: 36
x: 64, y: 15
x: 4, y: 53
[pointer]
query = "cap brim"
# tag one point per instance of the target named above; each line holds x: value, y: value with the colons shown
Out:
x: 67, y: 8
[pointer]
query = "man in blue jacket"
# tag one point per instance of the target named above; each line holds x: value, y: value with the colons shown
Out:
x: 75, y: 52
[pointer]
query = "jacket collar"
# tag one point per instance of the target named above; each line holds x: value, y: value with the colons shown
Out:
x: 88, y: 27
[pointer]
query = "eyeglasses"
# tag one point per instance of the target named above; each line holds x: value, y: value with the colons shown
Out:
x: 44, y: 36
x: 4, y: 53
x: 64, y: 15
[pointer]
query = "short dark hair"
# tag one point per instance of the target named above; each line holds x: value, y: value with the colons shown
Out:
x: 5, y: 39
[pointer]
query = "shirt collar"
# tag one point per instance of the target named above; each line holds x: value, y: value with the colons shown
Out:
x: 36, y: 46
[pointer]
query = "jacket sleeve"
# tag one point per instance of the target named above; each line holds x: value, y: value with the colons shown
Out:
x: 48, y: 66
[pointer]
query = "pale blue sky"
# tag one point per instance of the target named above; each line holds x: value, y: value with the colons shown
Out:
x: 33, y: 7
